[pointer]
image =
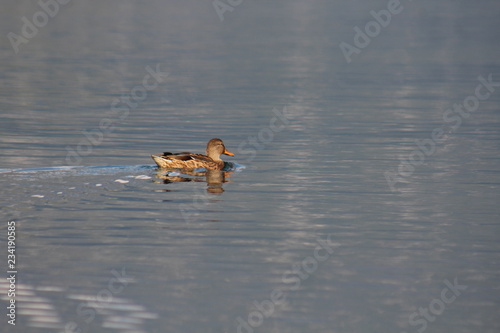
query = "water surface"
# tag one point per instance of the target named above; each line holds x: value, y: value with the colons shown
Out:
x: 306, y: 234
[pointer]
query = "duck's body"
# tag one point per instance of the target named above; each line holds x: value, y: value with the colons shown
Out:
x: 210, y: 161
x: 187, y: 161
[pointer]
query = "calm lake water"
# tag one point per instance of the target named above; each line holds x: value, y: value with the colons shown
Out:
x: 363, y: 197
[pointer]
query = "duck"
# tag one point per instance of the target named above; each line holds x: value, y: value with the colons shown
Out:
x: 190, y: 161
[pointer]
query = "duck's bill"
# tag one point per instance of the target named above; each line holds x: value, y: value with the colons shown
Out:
x: 226, y: 152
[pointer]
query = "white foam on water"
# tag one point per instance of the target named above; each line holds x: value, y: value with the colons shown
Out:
x: 142, y: 177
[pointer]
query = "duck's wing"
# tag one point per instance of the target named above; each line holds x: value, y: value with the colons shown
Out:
x: 186, y: 157
x: 167, y: 153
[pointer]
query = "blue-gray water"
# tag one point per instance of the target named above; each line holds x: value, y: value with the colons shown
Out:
x: 363, y: 198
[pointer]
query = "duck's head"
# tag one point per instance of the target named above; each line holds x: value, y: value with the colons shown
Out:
x: 215, y: 148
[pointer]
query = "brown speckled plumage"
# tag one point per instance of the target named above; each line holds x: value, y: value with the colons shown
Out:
x: 210, y: 161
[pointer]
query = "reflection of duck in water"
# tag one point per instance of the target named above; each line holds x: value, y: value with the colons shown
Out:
x: 213, y: 178
x: 189, y: 161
